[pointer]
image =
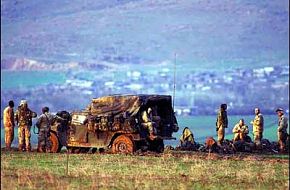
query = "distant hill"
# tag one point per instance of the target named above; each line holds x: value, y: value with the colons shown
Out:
x: 205, y: 34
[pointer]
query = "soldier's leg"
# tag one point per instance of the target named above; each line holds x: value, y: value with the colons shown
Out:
x: 47, y: 141
x: 7, y: 137
x: 21, y: 136
x: 236, y: 137
x: 221, y: 135
x: 257, y: 140
x: 27, y: 138
x: 41, y: 142
x: 242, y: 136
x: 281, y: 141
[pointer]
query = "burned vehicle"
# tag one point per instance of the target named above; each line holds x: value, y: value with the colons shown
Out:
x: 116, y: 123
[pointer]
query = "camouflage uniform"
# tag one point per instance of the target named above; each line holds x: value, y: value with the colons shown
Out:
x: 221, y: 124
x: 8, y: 121
x: 44, y: 125
x: 187, y: 138
x: 258, y: 127
x: 240, y: 132
x: 282, y: 132
x: 23, y: 118
x: 147, y: 123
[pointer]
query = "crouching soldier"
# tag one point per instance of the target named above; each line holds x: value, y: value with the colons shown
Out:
x: 187, y: 140
x: 282, y: 129
x: 240, y: 131
x: 23, y: 117
x: 147, y: 122
x: 44, y: 125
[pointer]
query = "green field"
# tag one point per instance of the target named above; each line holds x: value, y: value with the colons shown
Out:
x: 171, y: 170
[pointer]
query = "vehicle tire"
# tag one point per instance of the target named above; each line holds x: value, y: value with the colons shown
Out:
x: 123, y: 144
x: 55, y: 144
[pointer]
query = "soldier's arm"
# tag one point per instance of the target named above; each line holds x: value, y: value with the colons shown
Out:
x: 246, y: 131
x: 235, y: 129
x: 283, y: 124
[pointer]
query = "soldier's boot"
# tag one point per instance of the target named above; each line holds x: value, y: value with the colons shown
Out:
x: 39, y: 149
x: 28, y: 149
x: 8, y: 147
x: 20, y: 147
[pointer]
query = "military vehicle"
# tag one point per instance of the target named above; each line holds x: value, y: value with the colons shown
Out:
x: 115, y: 123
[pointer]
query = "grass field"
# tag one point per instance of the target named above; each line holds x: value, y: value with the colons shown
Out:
x: 171, y: 170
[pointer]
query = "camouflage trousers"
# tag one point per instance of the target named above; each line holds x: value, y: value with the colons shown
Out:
x: 239, y: 136
x: 150, y: 126
x: 282, y: 137
x: 44, y: 143
x: 257, y: 139
x: 221, y: 135
x: 9, y: 135
x: 24, y: 137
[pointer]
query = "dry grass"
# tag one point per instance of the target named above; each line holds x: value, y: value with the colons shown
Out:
x: 165, y: 171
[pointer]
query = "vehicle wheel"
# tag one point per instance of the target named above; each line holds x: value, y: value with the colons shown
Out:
x: 55, y: 145
x: 123, y: 144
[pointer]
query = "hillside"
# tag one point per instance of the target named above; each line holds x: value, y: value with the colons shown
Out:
x: 204, y: 34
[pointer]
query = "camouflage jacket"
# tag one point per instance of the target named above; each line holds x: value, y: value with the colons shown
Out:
x: 241, y: 129
x: 24, y: 116
x: 258, y: 123
x: 222, y: 119
x: 282, y: 124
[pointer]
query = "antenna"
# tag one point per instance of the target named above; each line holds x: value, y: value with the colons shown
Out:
x: 174, y: 80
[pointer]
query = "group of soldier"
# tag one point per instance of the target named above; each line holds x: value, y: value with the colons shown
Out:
x: 23, y: 119
x: 240, y: 131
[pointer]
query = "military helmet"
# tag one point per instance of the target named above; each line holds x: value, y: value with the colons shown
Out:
x: 23, y: 102
x: 279, y: 109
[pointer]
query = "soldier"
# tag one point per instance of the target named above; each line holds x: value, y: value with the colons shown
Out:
x: 8, y: 121
x: 221, y: 123
x: 258, y: 127
x: 44, y: 125
x: 240, y: 131
x: 23, y: 119
x: 187, y: 139
x: 282, y: 129
x: 146, y: 116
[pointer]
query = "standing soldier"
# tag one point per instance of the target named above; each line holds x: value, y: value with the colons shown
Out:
x: 221, y: 123
x: 240, y: 131
x: 258, y: 127
x: 44, y: 125
x: 23, y: 118
x: 282, y: 129
x: 8, y: 121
